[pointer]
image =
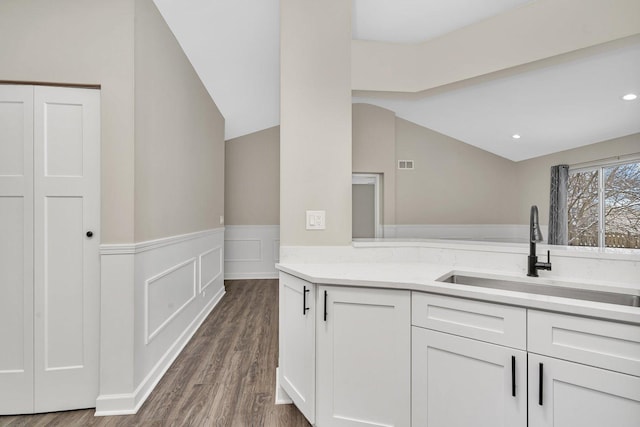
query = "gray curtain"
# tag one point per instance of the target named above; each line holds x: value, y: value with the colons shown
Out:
x: 558, y: 217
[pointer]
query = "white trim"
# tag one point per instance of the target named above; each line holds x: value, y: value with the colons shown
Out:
x: 118, y: 249
x: 130, y: 403
x: 245, y: 263
x: 609, y: 161
x: 135, y: 248
x: 252, y: 275
x: 245, y: 259
x: 371, y: 179
x: 253, y: 227
x: 149, y: 336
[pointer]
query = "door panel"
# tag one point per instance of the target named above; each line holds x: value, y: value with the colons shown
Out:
x: 66, y: 159
x: 63, y: 284
x: 63, y: 139
x: 16, y: 249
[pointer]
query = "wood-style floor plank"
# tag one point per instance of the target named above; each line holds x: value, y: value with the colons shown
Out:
x: 224, y: 377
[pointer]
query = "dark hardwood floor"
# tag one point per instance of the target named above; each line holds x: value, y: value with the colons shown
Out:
x: 224, y: 377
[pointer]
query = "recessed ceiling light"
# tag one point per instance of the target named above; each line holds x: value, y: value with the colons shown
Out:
x: 515, y: 136
x: 630, y: 97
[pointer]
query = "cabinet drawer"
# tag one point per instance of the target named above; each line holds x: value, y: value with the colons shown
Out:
x: 494, y: 323
x: 609, y: 345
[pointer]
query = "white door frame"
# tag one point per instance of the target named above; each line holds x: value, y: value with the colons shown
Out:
x: 371, y: 179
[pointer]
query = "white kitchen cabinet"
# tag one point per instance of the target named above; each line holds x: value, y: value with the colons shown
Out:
x: 363, y: 357
x: 568, y: 394
x: 582, y: 372
x: 297, y: 368
x: 461, y: 382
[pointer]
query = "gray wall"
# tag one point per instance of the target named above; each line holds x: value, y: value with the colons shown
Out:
x: 315, y: 120
x: 90, y: 42
x: 374, y: 151
x: 162, y: 158
x: 252, y: 179
x: 533, y: 176
x: 453, y: 182
x: 179, y: 137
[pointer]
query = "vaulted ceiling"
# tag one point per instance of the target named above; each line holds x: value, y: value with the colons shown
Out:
x: 554, y: 104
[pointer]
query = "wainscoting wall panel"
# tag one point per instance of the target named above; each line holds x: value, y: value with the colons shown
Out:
x: 251, y: 251
x: 177, y: 281
x: 211, y: 265
x: 167, y: 294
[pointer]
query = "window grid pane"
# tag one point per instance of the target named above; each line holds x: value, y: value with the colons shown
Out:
x: 622, y: 205
x: 583, y: 208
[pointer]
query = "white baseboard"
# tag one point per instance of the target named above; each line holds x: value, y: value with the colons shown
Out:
x: 126, y: 404
x: 252, y: 275
x: 251, y: 251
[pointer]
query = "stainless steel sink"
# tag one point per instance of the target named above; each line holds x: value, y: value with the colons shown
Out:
x: 544, y: 289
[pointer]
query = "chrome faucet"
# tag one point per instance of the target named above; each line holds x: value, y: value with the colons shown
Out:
x: 535, y: 235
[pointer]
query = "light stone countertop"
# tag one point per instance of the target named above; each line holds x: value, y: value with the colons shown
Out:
x: 419, y: 276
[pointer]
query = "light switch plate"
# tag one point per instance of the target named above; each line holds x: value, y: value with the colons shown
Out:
x: 316, y: 220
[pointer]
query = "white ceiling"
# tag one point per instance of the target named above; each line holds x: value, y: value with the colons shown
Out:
x: 567, y: 104
x: 234, y: 47
x: 413, y: 21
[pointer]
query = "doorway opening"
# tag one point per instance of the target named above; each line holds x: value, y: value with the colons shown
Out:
x: 367, y: 205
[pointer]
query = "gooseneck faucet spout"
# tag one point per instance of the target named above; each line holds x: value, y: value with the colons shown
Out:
x: 535, y: 235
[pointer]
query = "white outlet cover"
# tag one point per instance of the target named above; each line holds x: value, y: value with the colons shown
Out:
x: 316, y: 220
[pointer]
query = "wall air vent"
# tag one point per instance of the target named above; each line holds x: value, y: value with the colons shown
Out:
x: 405, y: 164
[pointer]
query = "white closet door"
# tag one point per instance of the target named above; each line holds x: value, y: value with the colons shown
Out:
x: 66, y: 158
x: 16, y: 249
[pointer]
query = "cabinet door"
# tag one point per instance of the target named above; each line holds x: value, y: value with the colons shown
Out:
x: 460, y: 382
x: 567, y: 394
x: 297, y: 343
x: 364, y: 357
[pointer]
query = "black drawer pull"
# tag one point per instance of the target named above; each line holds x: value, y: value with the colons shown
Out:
x: 325, y: 306
x: 304, y: 301
x: 513, y: 376
x: 540, y: 369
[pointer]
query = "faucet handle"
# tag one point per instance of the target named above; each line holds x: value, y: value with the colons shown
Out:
x: 549, y: 256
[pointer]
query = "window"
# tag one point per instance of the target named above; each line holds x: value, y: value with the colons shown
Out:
x: 603, y: 205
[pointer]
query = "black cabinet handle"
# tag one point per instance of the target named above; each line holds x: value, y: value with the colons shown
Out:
x: 89, y: 233
x: 304, y: 301
x: 325, y: 306
x: 540, y: 369
x: 513, y: 376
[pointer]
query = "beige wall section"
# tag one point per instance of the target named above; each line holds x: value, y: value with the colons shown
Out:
x: 374, y: 150
x: 453, y: 182
x: 315, y: 120
x: 90, y: 42
x: 252, y: 179
x: 534, y: 31
x: 179, y: 167
x: 534, y: 175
